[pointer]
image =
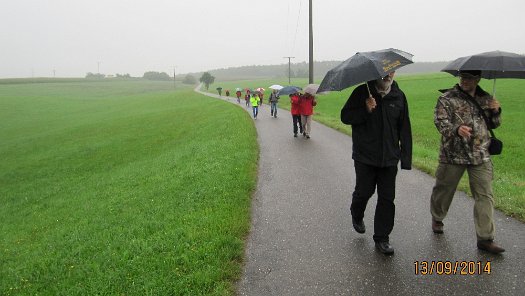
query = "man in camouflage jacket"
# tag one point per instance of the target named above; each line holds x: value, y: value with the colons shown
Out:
x: 465, y: 139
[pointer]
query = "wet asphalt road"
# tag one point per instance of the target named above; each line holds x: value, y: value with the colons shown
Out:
x: 302, y: 241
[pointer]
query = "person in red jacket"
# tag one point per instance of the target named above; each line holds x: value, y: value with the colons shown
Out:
x: 295, y: 109
x: 238, y: 94
x: 307, y: 102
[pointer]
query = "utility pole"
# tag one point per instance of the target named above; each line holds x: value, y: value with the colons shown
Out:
x: 98, y: 67
x: 289, y: 68
x: 311, y: 49
x: 174, y: 85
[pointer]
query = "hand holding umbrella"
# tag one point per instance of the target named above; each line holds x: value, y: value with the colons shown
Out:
x: 494, y: 105
x: 370, y: 104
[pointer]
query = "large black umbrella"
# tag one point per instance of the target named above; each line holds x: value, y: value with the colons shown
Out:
x: 492, y: 64
x: 364, y: 66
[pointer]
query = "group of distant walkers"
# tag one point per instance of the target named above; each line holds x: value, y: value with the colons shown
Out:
x: 302, y: 108
x: 378, y: 113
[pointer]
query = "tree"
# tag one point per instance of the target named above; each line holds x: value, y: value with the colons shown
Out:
x: 207, y: 79
x: 189, y: 79
x: 152, y: 75
x: 95, y: 76
x: 302, y: 73
x: 291, y: 74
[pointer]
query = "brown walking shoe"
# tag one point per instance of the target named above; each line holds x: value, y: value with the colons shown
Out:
x: 490, y: 246
x: 437, y: 226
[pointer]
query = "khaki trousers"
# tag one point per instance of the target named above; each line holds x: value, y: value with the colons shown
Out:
x: 306, y: 121
x: 480, y: 181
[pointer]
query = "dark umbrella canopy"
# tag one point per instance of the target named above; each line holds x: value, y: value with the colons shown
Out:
x: 493, y: 64
x: 288, y: 90
x: 364, y: 66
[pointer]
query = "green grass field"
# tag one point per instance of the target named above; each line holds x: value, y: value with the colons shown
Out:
x: 422, y: 93
x: 133, y: 188
x: 122, y: 188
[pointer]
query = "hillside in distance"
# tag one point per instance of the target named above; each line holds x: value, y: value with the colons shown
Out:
x: 300, y: 70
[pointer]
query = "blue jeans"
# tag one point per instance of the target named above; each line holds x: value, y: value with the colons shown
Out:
x: 273, y: 108
x: 255, y: 110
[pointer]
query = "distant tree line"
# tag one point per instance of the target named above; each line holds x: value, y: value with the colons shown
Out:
x: 152, y: 75
x: 300, y: 70
x: 95, y: 75
x: 189, y: 79
x: 90, y: 75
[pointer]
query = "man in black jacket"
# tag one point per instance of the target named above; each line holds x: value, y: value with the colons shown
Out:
x: 381, y: 136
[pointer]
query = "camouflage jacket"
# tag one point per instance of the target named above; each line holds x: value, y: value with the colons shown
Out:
x: 453, y: 109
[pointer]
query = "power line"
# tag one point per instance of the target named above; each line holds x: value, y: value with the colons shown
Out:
x: 297, y: 26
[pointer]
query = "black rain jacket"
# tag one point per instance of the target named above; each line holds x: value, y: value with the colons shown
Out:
x: 384, y: 136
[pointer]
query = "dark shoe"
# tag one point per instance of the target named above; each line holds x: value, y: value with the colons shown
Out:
x: 385, y: 248
x: 437, y: 226
x: 295, y: 135
x: 359, y: 226
x: 304, y: 134
x: 490, y: 246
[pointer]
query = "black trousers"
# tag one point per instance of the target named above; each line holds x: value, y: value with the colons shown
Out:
x: 297, y: 123
x: 367, y: 178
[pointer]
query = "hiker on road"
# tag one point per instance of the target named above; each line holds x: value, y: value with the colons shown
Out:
x: 274, y: 99
x: 307, y: 103
x: 238, y: 94
x: 465, y: 141
x: 255, y: 101
x: 295, y: 109
x: 381, y: 136
x: 247, y: 98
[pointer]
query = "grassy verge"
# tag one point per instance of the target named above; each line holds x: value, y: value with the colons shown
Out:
x: 422, y: 93
x: 125, y: 188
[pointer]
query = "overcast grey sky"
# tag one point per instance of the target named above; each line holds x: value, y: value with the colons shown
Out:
x: 74, y: 37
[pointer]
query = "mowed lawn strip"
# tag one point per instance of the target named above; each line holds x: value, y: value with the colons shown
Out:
x: 422, y: 93
x: 124, y: 188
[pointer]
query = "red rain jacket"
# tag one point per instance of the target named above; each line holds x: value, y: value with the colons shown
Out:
x: 295, y: 108
x: 307, y: 103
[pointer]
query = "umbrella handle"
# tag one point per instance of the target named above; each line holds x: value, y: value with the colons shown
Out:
x: 494, y: 89
x: 369, y: 94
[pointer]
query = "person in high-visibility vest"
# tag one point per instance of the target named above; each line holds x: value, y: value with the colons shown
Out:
x: 254, y: 100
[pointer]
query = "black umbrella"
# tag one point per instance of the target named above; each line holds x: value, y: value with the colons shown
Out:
x: 288, y: 90
x: 492, y: 64
x: 364, y: 66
